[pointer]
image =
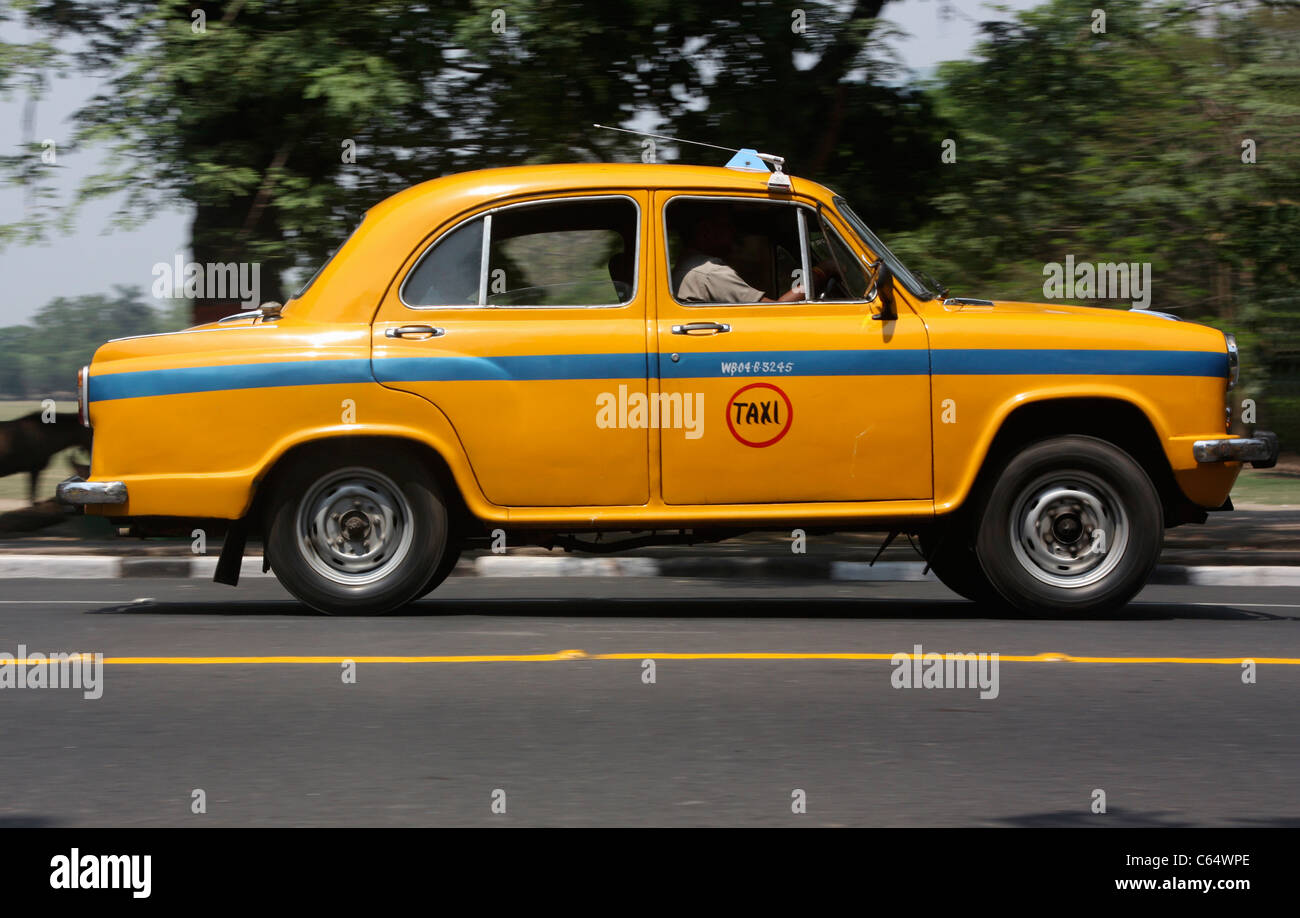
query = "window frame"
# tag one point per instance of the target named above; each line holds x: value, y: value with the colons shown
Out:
x: 802, y: 211
x: 486, y: 217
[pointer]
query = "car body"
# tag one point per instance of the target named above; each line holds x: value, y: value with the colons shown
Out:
x: 884, y: 408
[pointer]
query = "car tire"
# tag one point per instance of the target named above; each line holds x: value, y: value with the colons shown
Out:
x: 949, y: 553
x: 1071, y: 525
x: 440, y: 573
x: 353, y: 531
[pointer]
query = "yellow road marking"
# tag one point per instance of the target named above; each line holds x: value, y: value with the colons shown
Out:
x: 1009, y: 658
x: 568, y: 655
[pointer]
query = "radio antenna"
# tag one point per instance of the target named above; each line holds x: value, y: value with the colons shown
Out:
x: 606, y: 127
x: 742, y: 160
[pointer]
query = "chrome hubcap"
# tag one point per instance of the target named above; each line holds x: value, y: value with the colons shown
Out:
x: 1069, y: 529
x: 354, y: 526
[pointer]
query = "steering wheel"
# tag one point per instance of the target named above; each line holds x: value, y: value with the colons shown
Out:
x: 832, y: 289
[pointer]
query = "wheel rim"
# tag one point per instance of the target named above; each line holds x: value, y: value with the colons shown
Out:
x: 354, y: 526
x: 1069, y: 529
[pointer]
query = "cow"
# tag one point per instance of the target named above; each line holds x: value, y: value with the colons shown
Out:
x: 27, y: 443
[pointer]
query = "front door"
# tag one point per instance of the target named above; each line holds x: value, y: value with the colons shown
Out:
x: 804, y: 396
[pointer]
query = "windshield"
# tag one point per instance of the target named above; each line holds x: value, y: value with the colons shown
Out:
x: 872, y: 242
x: 311, y: 280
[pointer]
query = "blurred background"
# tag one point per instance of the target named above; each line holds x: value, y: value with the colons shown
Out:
x: 260, y: 131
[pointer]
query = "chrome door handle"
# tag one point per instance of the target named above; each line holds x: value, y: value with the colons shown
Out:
x: 701, y: 328
x: 414, y: 331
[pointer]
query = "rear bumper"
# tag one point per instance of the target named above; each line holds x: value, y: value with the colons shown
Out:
x: 77, y: 491
x: 1260, y: 450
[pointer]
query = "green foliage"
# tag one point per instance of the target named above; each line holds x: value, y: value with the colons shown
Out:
x: 1127, y: 146
x: 41, y: 359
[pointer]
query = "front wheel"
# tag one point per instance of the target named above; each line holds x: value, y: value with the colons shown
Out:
x: 1072, y: 525
x: 354, y: 532
x: 951, y: 556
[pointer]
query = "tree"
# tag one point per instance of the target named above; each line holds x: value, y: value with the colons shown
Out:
x: 280, y: 122
x: 41, y: 359
x: 1172, y: 138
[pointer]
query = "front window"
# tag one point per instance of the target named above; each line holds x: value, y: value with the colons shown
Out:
x: 724, y: 251
x: 837, y: 274
x: 734, y: 252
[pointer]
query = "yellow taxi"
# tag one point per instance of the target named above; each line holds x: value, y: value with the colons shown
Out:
x: 676, y: 352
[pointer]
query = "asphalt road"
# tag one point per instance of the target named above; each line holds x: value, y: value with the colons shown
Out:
x: 575, y: 739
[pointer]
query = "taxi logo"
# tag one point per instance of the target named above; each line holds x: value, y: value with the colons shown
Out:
x: 759, y: 414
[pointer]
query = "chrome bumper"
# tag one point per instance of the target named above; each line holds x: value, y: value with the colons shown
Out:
x: 77, y: 491
x: 1260, y: 450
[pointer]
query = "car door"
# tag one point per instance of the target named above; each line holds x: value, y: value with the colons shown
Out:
x: 810, y: 400
x: 520, y: 322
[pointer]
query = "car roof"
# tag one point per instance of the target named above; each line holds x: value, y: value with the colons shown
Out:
x: 483, y: 184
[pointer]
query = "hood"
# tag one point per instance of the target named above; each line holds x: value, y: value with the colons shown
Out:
x: 973, y: 322
x: 975, y: 304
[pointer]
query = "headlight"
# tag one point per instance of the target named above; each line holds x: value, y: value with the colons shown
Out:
x: 83, y: 396
x: 1234, y: 360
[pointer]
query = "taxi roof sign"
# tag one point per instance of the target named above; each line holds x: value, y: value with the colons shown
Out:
x: 747, y: 160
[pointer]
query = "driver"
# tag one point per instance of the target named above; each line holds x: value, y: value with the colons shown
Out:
x: 702, y: 274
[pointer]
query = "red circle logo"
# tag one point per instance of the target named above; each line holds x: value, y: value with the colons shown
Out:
x: 760, y: 418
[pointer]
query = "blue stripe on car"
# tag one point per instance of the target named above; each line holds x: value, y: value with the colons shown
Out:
x: 1054, y: 362
x: 874, y: 362
x: 894, y: 362
x: 182, y: 380
x: 532, y: 367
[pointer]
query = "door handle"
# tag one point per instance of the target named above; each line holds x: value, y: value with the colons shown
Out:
x: 701, y: 328
x: 414, y: 331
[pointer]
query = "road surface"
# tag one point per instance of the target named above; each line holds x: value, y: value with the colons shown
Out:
x: 563, y: 734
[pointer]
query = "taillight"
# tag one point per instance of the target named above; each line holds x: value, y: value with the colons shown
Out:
x: 83, y: 396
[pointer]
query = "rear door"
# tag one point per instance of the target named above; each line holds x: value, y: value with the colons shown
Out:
x: 520, y: 323
x: 812, y: 400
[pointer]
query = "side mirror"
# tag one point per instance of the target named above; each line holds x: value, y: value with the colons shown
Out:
x: 881, y: 288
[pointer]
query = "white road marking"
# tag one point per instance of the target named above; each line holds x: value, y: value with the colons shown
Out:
x: 1253, y: 605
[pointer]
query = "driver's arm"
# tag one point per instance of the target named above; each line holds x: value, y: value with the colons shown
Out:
x: 794, y: 294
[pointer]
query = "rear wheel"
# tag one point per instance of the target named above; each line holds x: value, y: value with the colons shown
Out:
x: 440, y: 573
x: 353, y: 532
x: 1072, y: 524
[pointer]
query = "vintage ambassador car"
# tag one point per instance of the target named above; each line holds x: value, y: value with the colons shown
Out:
x: 603, y: 356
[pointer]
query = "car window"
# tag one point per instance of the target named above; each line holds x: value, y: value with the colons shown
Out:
x: 837, y: 272
x: 449, y: 273
x: 731, y: 252
x: 567, y: 253
x: 575, y: 252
